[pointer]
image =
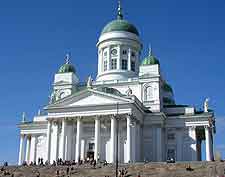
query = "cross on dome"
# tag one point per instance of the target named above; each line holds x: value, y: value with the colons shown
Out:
x: 119, y: 11
x: 67, y: 58
x: 150, y: 50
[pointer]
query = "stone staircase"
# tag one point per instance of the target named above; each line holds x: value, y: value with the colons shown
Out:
x: 197, y: 169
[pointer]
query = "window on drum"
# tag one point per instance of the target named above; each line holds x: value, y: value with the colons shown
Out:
x: 114, y: 63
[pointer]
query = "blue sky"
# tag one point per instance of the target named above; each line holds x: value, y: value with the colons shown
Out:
x: 187, y: 36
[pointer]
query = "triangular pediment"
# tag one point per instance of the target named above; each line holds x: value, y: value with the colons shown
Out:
x: 90, y: 97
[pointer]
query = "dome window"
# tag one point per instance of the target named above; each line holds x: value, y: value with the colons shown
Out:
x: 114, y: 52
x: 105, y: 65
x: 113, y: 64
x: 124, y: 52
x: 124, y: 64
x: 133, y: 66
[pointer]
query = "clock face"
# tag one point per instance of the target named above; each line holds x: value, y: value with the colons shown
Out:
x: 114, y: 52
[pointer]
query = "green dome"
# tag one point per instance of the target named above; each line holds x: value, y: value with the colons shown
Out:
x: 67, y: 68
x: 167, y: 88
x: 120, y: 25
x: 150, y: 60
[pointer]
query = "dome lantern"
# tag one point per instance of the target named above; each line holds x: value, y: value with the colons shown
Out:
x: 150, y: 59
x: 67, y: 67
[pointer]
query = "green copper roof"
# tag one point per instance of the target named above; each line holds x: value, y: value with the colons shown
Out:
x: 167, y: 87
x: 168, y: 101
x: 120, y: 25
x: 67, y: 68
x: 150, y: 59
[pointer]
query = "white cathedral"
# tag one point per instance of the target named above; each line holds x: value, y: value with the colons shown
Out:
x: 128, y: 112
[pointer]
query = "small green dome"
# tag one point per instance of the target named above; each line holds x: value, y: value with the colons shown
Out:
x: 120, y: 25
x: 167, y: 88
x: 67, y: 68
x: 150, y: 60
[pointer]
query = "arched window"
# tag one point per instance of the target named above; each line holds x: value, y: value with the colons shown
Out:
x: 148, y: 93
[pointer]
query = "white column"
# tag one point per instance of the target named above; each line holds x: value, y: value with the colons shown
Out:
x: 159, y: 143
x: 57, y: 142
x: 208, y: 144
x: 21, y: 153
x: 35, y: 148
x: 63, y: 137
x: 113, y: 138
x: 129, y: 59
x: 128, y: 139
x: 49, y: 140
x: 119, y: 60
x: 97, y: 138
x: 78, y: 140
x: 109, y: 58
x: 193, y: 143
x: 133, y: 142
x: 82, y: 149
x: 28, y: 149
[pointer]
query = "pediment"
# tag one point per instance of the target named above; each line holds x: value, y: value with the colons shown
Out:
x: 90, y: 98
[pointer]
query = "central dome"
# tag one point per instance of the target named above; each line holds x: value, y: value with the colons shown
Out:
x: 120, y: 25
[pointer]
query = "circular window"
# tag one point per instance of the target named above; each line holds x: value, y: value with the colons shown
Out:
x: 114, y: 52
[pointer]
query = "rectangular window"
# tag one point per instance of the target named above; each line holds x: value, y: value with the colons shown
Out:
x: 124, y: 64
x: 105, y: 54
x: 105, y: 65
x: 114, y: 63
x: 132, y: 54
x: 132, y: 66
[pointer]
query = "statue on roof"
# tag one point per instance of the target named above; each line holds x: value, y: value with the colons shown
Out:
x: 129, y: 91
x: 206, y: 105
x: 23, y: 117
x: 89, y: 82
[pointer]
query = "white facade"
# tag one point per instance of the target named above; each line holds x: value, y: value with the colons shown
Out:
x: 81, y: 121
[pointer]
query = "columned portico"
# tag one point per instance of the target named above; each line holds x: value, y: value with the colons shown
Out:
x: 97, y: 138
x: 21, y: 152
x: 78, y: 139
